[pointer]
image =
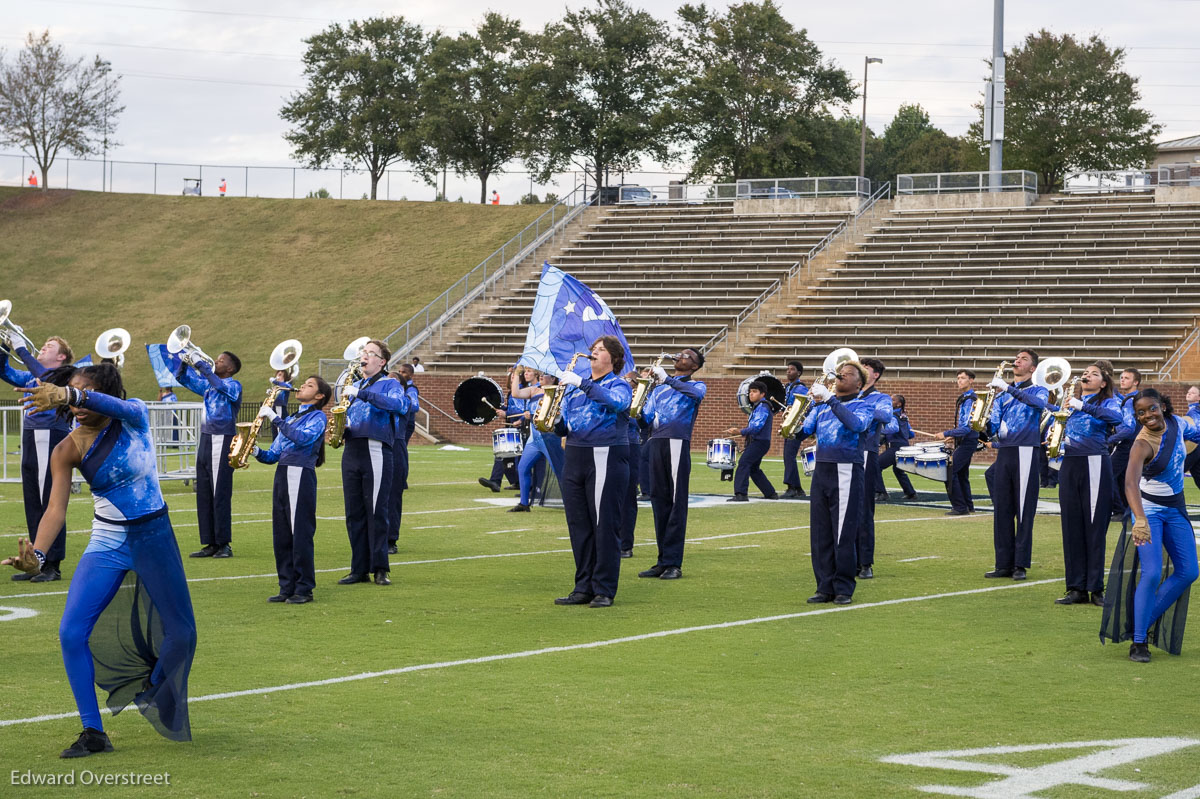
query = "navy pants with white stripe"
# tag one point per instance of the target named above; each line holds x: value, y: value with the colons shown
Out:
x: 791, y: 472
x: 866, y: 522
x: 593, y: 485
x: 367, y: 489
x: 293, y: 525
x: 958, y: 487
x: 750, y: 468
x: 399, y: 483
x: 629, y: 507
x: 36, y: 446
x: 1120, y: 461
x: 1014, y: 486
x: 670, y: 475
x: 835, y: 502
x: 214, y: 490
x: 1085, y: 499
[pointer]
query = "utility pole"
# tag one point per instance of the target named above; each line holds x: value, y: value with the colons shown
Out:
x: 862, y: 150
x: 105, y: 67
x: 993, y: 103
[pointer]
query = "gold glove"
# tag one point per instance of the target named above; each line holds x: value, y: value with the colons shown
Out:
x: 1141, y: 531
x: 26, y: 560
x: 46, y: 396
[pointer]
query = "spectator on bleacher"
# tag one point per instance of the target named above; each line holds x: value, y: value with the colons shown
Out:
x: 1192, y: 464
x: 513, y: 416
x: 1121, y: 440
x: 884, y: 422
x: 961, y: 442
x: 902, y: 436
x: 416, y: 365
x: 670, y: 415
x: 757, y: 435
x: 839, y: 421
x: 791, y: 446
x: 1015, y: 430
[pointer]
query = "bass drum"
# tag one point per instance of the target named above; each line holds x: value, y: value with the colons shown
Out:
x: 775, y: 392
x: 477, y: 400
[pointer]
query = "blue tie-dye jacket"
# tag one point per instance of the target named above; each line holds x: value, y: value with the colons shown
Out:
x: 222, y: 398
x: 597, y: 412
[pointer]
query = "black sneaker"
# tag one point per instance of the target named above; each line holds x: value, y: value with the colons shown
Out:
x: 89, y: 742
x: 299, y: 599
x: 1139, y: 653
x: 206, y: 551
x: 519, y: 508
x: 486, y: 483
x: 21, y: 577
x: 224, y: 552
x: 47, y: 575
x: 393, y: 550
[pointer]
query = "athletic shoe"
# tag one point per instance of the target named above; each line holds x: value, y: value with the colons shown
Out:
x: 1139, y: 653
x: 224, y: 552
x: 47, y: 576
x: 89, y: 742
x: 206, y: 551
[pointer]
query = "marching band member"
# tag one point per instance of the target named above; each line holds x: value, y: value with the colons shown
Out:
x: 1015, y: 432
x: 1085, y: 485
x: 757, y: 434
x: 839, y: 421
x: 214, y: 476
x: 883, y: 421
x: 114, y: 450
x: 629, y: 503
x: 41, y: 433
x: 961, y: 442
x: 670, y: 413
x: 281, y: 399
x: 791, y: 446
x: 595, y: 472
x: 1121, y: 440
x: 513, y: 416
x: 371, y: 428
x: 1192, y: 464
x: 298, y: 448
x: 1154, y: 491
x: 540, y: 448
x: 406, y: 426
x: 902, y: 436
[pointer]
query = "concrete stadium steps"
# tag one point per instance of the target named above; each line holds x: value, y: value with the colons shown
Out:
x: 930, y: 291
x: 673, y: 275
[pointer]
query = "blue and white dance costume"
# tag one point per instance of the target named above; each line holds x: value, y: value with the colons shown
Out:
x: 836, y: 493
x: 757, y: 433
x: 594, y: 479
x: 1016, y: 435
x: 131, y: 533
x: 966, y: 440
x: 371, y: 432
x: 1119, y: 444
x: 406, y: 424
x: 670, y: 411
x: 902, y: 436
x: 214, y: 475
x: 791, y: 446
x: 41, y: 433
x: 298, y: 442
x: 882, y: 422
x: 1085, y: 482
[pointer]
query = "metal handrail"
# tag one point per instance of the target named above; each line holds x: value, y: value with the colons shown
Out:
x: 1172, y: 363
x: 442, y: 308
x: 951, y: 182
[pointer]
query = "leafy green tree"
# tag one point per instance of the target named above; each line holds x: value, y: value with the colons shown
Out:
x: 756, y: 83
x: 1070, y: 105
x: 475, y: 100
x: 362, y: 102
x: 600, y: 90
x: 49, y: 103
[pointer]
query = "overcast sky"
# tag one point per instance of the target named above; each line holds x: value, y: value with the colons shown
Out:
x: 203, y: 81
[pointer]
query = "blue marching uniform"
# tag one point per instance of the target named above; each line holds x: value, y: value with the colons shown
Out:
x: 1016, y: 434
x: 214, y: 475
x: 1085, y: 482
x: 670, y: 413
x: 629, y: 506
x: 882, y: 421
x: 41, y: 433
x: 506, y: 468
x: 836, y: 494
x: 371, y: 432
x: 966, y: 441
x: 595, y: 477
x: 758, y: 441
x: 406, y: 426
x: 1191, y: 464
x: 900, y: 437
x: 1119, y: 444
x: 791, y: 446
x: 298, y: 442
x: 137, y: 645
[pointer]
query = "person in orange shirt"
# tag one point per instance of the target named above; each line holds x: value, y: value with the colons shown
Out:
x: 495, y: 197
x: 33, y: 182
x: 221, y: 188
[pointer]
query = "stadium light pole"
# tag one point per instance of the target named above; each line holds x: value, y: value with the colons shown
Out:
x: 862, y: 150
x: 994, y: 101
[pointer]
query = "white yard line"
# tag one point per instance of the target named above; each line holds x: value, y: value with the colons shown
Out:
x: 514, y: 530
x: 923, y: 557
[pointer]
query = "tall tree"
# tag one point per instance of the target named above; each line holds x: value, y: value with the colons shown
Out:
x: 755, y: 84
x: 49, y: 103
x: 600, y: 88
x: 1071, y: 106
x: 362, y: 102
x: 475, y: 100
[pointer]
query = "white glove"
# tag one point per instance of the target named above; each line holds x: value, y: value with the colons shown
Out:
x: 350, y: 392
x: 570, y: 378
x: 1075, y: 403
x: 998, y: 384
x: 819, y: 392
x: 267, y: 413
x: 660, y: 374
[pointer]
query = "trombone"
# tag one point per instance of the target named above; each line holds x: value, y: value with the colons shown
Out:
x: 111, y: 345
x: 180, y: 343
x: 284, y: 358
x: 12, y: 335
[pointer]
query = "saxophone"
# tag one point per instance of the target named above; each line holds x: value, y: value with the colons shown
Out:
x: 642, y: 386
x: 246, y: 437
x: 1054, y: 442
x: 981, y: 411
x: 335, y: 431
x: 550, y: 404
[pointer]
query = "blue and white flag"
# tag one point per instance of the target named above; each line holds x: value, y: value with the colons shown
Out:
x: 164, y: 364
x: 84, y: 361
x: 567, y: 317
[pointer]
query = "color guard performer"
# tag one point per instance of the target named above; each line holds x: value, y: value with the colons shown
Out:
x: 670, y: 412
x: 791, y: 446
x: 961, y: 442
x: 541, y: 448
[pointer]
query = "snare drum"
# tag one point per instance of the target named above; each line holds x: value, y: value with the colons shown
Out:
x: 906, y: 458
x: 506, y: 443
x: 934, y: 465
x: 721, y: 453
x: 810, y: 460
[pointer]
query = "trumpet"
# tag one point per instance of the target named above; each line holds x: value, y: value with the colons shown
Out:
x: 284, y: 358
x: 111, y: 345
x: 802, y: 404
x: 550, y: 404
x: 180, y: 343
x: 12, y: 335
x: 643, y: 384
x: 981, y: 411
x: 335, y: 431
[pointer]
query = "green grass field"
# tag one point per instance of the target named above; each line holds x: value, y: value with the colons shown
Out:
x: 462, y: 679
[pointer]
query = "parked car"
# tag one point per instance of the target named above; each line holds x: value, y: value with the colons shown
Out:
x: 773, y: 193
x: 624, y: 193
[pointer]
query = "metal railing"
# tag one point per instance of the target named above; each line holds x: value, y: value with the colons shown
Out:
x: 677, y: 192
x: 755, y: 306
x: 1103, y: 182
x: 961, y: 182
x: 1171, y: 365
x: 1178, y: 175
x: 680, y: 192
x: 418, y: 329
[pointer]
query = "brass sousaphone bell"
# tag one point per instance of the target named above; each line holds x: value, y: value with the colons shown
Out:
x: 13, y: 332
x: 180, y: 343
x: 111, y: 345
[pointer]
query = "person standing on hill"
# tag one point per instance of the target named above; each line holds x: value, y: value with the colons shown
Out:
x: 495, y: 197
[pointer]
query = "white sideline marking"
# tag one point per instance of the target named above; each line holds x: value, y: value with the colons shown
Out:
x: 433, y: 527
x: 11, y: 614
x: 514, y: 530
x: 445, y: 664
x: 923, y: 557
x: 744, y: 546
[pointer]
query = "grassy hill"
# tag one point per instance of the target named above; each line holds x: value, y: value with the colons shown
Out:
x: 245, y: 273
